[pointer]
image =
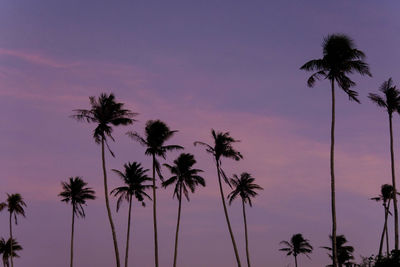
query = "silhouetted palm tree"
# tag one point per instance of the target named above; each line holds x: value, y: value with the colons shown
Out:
x: 296, y: 246
x: 222, y: 147
x: 345, y: 253
x: 76, y: 193
x: 6, y: 249
x: 391, y: 102
x: 15, y: 206
x: 106, y: 113
x: 184, y: 177
x: 245, y: 188
x: 340, y: 58
x: 156, y: 134
x: 134, y: 177
x: 386, y: 196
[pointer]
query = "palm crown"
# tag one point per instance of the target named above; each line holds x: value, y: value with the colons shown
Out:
x: 244, y: 187
x: 340, y: 57
x: 5, y: 249
x: 297, y: 245
x: 392, y: 97
x: 184, y: 176
x: 134, y: 177
x: 15, y: 205
x: 386, y: 193
x: 345, y: 253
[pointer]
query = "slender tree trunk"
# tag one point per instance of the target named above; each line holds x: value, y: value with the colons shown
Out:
x: 177, y: 225
x: 128, y: 231
x: 387, y: 232
x: 72, y: 236
x: 245, y: 234
x: 155, y: 212
x: 332, y: 167
x: 295, y: 260
x: 227, y: 217
x: 383, y: 232
x: 396, y: 216
x: 11, y: 242
x: 114, y: 236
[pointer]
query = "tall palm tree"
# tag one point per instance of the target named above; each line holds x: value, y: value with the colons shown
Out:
x: 6, y: 249
x: 184, y: 177
x: 76, y: 193
x: 391, y: 102
x: 156, y: 134
x: 134, y: 177
x: 244, y: 187
x: 15, y: 206
x: 344, y: 253
x: 222, y: 147
x: 340, y: 58
x: 106, y: 113
x: 386, y: 196
x: 296, y: 246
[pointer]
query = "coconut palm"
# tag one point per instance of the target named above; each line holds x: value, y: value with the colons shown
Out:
x: 386, y: 196
x: 6, y: 248
x: 185, y: 178
x: 156, y: 134
x: 106, y: 113
x: 15, y: 206
x: 344, y: 253
x: 222, y: 147
x: 244, y: 187
x: 340, y: 58
x: 76, y: 193
x: 391, y: 102
x: 134, y: 177
x: 296, y: 246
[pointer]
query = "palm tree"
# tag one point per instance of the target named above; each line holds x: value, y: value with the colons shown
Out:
x: 15, y: 206
x: 386, y: 196
x: 245, y: 188
x: 156, y: 134
x: 222, y: 147
x: 76, y: 193
x: 344, y: 253
x: 184, y: 177
x: 134, y: 177
x: 296, y: 246
x: 106, y: 113
x: 391, y: 102
x: 7, y: 250
x: 340, y: 58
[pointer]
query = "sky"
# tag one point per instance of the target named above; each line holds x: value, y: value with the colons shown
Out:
x: 197, y: 65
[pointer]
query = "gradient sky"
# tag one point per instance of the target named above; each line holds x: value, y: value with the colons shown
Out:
x: 228, y: 65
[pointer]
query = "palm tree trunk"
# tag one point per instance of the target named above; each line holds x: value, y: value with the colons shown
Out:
x: 387, y: 232
x: 114, y: 236
x: 72, y: 236
x: 295, y: 260
x: 155, y: 212
x: 128, y: 231
x: 227, y: 217
x: 245, y: 234
x: 383, y: 232
x: 11, y: 242
x: 177, y: 226
x: 332, y: 165
x: 396, y: 216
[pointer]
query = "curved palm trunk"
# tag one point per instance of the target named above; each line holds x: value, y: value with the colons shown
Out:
x: 114, y: 236
x: 383, y: 232
x: 396, y: 216
x: 11, y: 242
x: 177, y: 226
x: 155, y: 212
x: 332, y: 165
x: 245, y: 233
x: 227, y: 217
x: 72, y: 236
x: 295, y: 260
x: 128, y: 231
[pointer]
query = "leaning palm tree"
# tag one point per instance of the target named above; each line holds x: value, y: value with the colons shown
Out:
x: 296, y: 246
x: 6, y: 249
x: 76, y: 193
x: 185, y: 178
x: 222, y: 147
x: 391, y: 102
x: 106, y: 113
x: 340, y: 58
x: 156, y: 134
x: 134, y: 177
x: 15, y: 206
x: 344, y: 253
x: 245, y: 188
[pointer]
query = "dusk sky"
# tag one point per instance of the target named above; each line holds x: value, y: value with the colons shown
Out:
x: 228, y: 65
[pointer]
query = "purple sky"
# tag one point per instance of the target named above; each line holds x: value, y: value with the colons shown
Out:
x: 197, y: 65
